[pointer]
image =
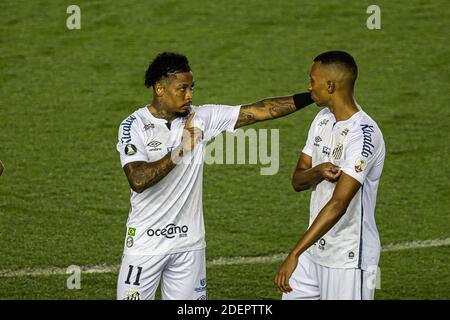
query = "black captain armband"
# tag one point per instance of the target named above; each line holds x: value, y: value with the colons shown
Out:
x: 302, y: 100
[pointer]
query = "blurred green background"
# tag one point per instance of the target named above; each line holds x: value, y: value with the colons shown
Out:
x: 64, y: 198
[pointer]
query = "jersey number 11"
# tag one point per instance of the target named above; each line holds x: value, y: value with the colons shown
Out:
x: 130, y: 271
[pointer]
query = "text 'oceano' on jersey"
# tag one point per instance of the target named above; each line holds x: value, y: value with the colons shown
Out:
x: 169, y: 231
x: 367, y: 140
x: 126, y: 129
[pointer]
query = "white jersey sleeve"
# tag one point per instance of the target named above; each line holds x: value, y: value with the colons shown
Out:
x: 308, y: 149
x: 131, y: 145
x: 364, y: 152
x: 217, y: 118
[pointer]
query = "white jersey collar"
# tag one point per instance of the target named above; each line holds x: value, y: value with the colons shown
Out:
x: 355, y: 117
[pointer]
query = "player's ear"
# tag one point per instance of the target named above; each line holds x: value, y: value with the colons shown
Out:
x: 331, y: 86
x: 159, y: 89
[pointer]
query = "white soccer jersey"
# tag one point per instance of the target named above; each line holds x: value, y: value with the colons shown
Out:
x: 168, y: 216
x: 357, y: 146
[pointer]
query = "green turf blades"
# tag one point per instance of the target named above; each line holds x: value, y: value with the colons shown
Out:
x: 63, y: 195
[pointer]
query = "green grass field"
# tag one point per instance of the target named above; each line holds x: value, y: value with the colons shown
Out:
x: 64, y: 198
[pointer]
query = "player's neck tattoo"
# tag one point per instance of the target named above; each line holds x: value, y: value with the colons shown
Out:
x: 158, y: 111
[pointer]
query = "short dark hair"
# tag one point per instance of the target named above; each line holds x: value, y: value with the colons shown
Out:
x: 164, y: 64
x: 341, y: 58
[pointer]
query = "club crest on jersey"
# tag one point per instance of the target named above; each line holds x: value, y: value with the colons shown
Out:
x: 130, y: 149
x: 130, y: 242
x: 337, y: 151
x: 360, y: 165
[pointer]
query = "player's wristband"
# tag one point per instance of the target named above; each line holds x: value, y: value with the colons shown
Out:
x: 302, y: 100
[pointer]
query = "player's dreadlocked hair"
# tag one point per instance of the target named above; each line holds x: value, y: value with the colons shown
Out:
x: 341, y: 58
x: 164, y: 64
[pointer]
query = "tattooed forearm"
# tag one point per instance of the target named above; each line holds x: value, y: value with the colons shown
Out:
x: 142, y: 175
x: 245, y: 117
x: 279, y: 107
x: 270, y: 108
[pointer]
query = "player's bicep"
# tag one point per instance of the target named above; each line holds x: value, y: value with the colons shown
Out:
x: 346, y: 188
x: 304, y: 162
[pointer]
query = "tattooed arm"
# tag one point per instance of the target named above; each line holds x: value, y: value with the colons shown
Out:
x: 142, y: 175
x: 270, y: 108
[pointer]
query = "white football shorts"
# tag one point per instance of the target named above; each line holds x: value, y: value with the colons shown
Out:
x: 182, y: 276
x: 311, y: 281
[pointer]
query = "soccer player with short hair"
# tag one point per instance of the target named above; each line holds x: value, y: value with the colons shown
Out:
x: 342, y: 161
x: 165, y: 240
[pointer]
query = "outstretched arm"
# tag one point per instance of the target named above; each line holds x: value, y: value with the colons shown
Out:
x: 272, y: 108
x: 345, y: 190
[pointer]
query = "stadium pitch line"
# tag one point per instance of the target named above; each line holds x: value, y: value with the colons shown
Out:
x: 216, y: 262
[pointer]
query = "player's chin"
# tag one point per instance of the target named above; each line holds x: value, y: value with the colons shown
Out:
x: 183, y: 112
